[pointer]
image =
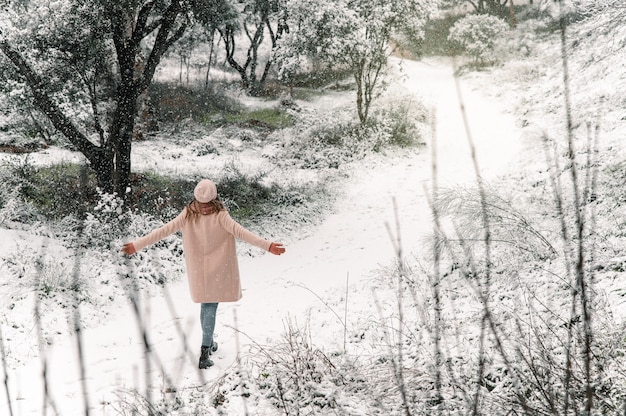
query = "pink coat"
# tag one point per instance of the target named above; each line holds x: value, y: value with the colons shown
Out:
x: 210, y: 253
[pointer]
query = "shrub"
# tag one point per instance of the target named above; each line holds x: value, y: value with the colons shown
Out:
x: 173, y: 103
x: 205, y: 146
x: 57, y: 191
x: 327, y: 145
x: 435, y: 41
x: 292, y: 376
x: 478, y: 34
x: 321, y: 77
x: 106, y: 222
x: 13, y: 207
x: 46, y: 273
x: 29, y: 193
x: 249, y: 196
x: 272, y: 118
x: 403, y: 121
x: 244, y: 194
x: 53, y: 192
x: 159, y: 195
x: 298, y: 377
x: 511, y: 230
x: 331, y: 140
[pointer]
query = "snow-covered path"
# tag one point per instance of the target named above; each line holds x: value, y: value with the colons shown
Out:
x: 346, y: 248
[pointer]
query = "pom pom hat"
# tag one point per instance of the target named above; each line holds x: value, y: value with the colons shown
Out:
x: 205, y: 191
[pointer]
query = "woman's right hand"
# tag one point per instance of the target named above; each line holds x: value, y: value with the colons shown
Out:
x: 277, y: 248
x: 129, y: 248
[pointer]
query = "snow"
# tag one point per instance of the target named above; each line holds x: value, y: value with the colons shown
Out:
x: 329, y: 279
x: 347, y: 248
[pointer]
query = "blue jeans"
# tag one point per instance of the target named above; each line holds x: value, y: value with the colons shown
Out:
x: 208, y: 311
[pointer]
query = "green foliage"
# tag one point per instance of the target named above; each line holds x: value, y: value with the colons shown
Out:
x: 249, y: 196
x: 346, y: 34
x: 243, y: 194
x: 56, y: 192
x: 173, y: 103
x: 66, y: 45
x: 84, y: 64
x: 435, y: 40
x: 273, y: 118
x: 330, y: 141
x: 478, y: 34
x: 53, y: 191
x: 320, y: 77
x: 160, y: 196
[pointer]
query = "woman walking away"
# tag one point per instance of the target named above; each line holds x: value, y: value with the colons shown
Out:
x: 210, y: 256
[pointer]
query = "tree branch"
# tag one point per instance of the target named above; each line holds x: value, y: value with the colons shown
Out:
x: 140, y: 26
x: 162, y: 42
x: 47, y: 105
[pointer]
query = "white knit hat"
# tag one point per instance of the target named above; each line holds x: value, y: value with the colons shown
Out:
x: 205, y: 191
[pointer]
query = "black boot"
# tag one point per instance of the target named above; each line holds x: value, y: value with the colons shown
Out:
x: 205, y: 361
x: 213, y: 348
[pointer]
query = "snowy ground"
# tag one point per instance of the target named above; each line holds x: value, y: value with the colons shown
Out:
x: 308, y: 283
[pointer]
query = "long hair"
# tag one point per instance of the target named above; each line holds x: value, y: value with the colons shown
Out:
x: 216, y: 204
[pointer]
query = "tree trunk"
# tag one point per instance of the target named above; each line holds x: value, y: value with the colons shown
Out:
x: 208, y: 69
x: 121, y: 137
x: 103, y: 167
x: 512, y: 11
x: 247, y: 70
x: 256, y: 87
x: 358, y: 77
x: 274, y: 36
x: 228, y: 36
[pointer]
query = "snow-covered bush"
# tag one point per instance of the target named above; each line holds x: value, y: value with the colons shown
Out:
x: 298, y: 377
x: 45, y: 272
x: 576, y: 10
x: 330, y: 140
x: 14, y: 209
x: 402, y: 119
x: 14, y: 174
x: 249, y: 195
x: 326, y: 146
x: 53, y: 191
x: 132, y: 402
x: 105, y: 222
x: 513, y: 232
x: 294, y: 377
x: 154, y: 265
x: 478, y: 34
x: 205, y: 146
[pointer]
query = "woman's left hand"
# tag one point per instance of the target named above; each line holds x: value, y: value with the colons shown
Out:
x: 277, y: 248
x: 129, y: 249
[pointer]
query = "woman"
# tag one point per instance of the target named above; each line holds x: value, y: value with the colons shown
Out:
x: 210, y: 256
